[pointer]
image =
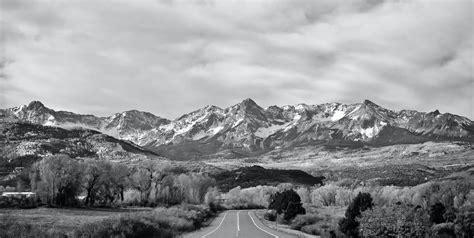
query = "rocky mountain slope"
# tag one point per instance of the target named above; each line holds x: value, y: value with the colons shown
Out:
x: 23, y: 143
x: 247, y: 129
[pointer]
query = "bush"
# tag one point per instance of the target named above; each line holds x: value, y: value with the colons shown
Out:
x: 349, y: 227
x: 443, y: 230
x: 215, y: 207
x: 270, y: 215
x: 161, y: 222
x: 311, y: 229
x: 325, y: 195
x: 184, y: 217
x: 464, y: 222
x: 127, y: 226
x: 393, y: 221
x: 249, y: 198
x: 304, y: 220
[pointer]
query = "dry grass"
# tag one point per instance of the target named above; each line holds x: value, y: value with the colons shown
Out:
x: 63, y: 219
x: 402, y: 165
x: 330, y: 217
x: 310, y: 157
x: 141, y: 222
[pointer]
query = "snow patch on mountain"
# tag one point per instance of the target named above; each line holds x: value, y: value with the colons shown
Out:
x: 338, y: 115
x: 264, y: 132
x: 296, y: 118
x: 236, y: 123
x: 50, y: 121
x: 369, y: 132
x: 300, y: 107
x: 215, y: 130
x: 199, y: 135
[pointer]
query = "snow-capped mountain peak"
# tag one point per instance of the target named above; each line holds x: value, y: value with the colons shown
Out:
x: 248, y: 127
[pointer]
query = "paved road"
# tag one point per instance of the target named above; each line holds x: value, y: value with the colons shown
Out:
x: 237, y: 223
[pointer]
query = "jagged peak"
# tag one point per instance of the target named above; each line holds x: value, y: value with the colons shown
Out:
x: 369, y: 103
x: 133, y: 111
x: 246, y: 104
x: 273, y: 107
x: 436, y: 112
x: 249, y: 102
x: 201, y: 111
x: 301, y: 106
x: 248, y: 107
x: 137, y: 113
x: 211, y: 108
x: 35, y: 104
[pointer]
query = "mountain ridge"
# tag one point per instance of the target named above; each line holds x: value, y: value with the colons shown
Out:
x: 246, y: 128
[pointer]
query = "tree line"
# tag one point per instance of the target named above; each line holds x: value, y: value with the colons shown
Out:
x: 61, y: 181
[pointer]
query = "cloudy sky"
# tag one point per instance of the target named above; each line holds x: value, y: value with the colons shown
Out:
x: 171, y: 57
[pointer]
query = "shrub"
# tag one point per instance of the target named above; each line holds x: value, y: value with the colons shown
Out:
x: 126, y: 226
x: 311, y: 229
x: 349, y: 227
x: 304, y: 220
x: 443, y: 230
x: 464, y: 222
x: 332, y: 195
x: 184, y: 217
x: 304, y: 194
x: 393, y: 221
x: 215, y: 207
x: 270, y: 215
x: 249, y: 198
x: 325, y: 195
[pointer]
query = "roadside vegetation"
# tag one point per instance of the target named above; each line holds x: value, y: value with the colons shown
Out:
x: 442, y: 208
x: 157, y: 222
x: 173, y: 200
x: 178, y: 201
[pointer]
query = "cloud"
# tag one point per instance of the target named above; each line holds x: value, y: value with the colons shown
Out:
x: 171, y: 57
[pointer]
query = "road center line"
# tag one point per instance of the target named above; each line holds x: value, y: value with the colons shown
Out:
x: 204, y: 236
x: 238, y: 223
x: 260, y: 227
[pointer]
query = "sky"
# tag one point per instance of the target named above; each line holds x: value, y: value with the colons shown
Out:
x: 173, y: 57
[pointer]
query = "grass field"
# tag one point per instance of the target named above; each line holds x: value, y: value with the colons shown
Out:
x: 63, y: 219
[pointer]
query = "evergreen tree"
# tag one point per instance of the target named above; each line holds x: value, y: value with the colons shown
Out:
x: 437, y: 213
x: 287, y: 203
x: 349, y: 225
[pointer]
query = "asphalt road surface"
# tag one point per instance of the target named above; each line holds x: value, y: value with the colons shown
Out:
x: 237, y: 223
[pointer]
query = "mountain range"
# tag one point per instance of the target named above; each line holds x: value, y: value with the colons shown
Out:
x: 247, y: 129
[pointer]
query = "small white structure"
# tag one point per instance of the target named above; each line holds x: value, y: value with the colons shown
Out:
x: 19, y: 194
